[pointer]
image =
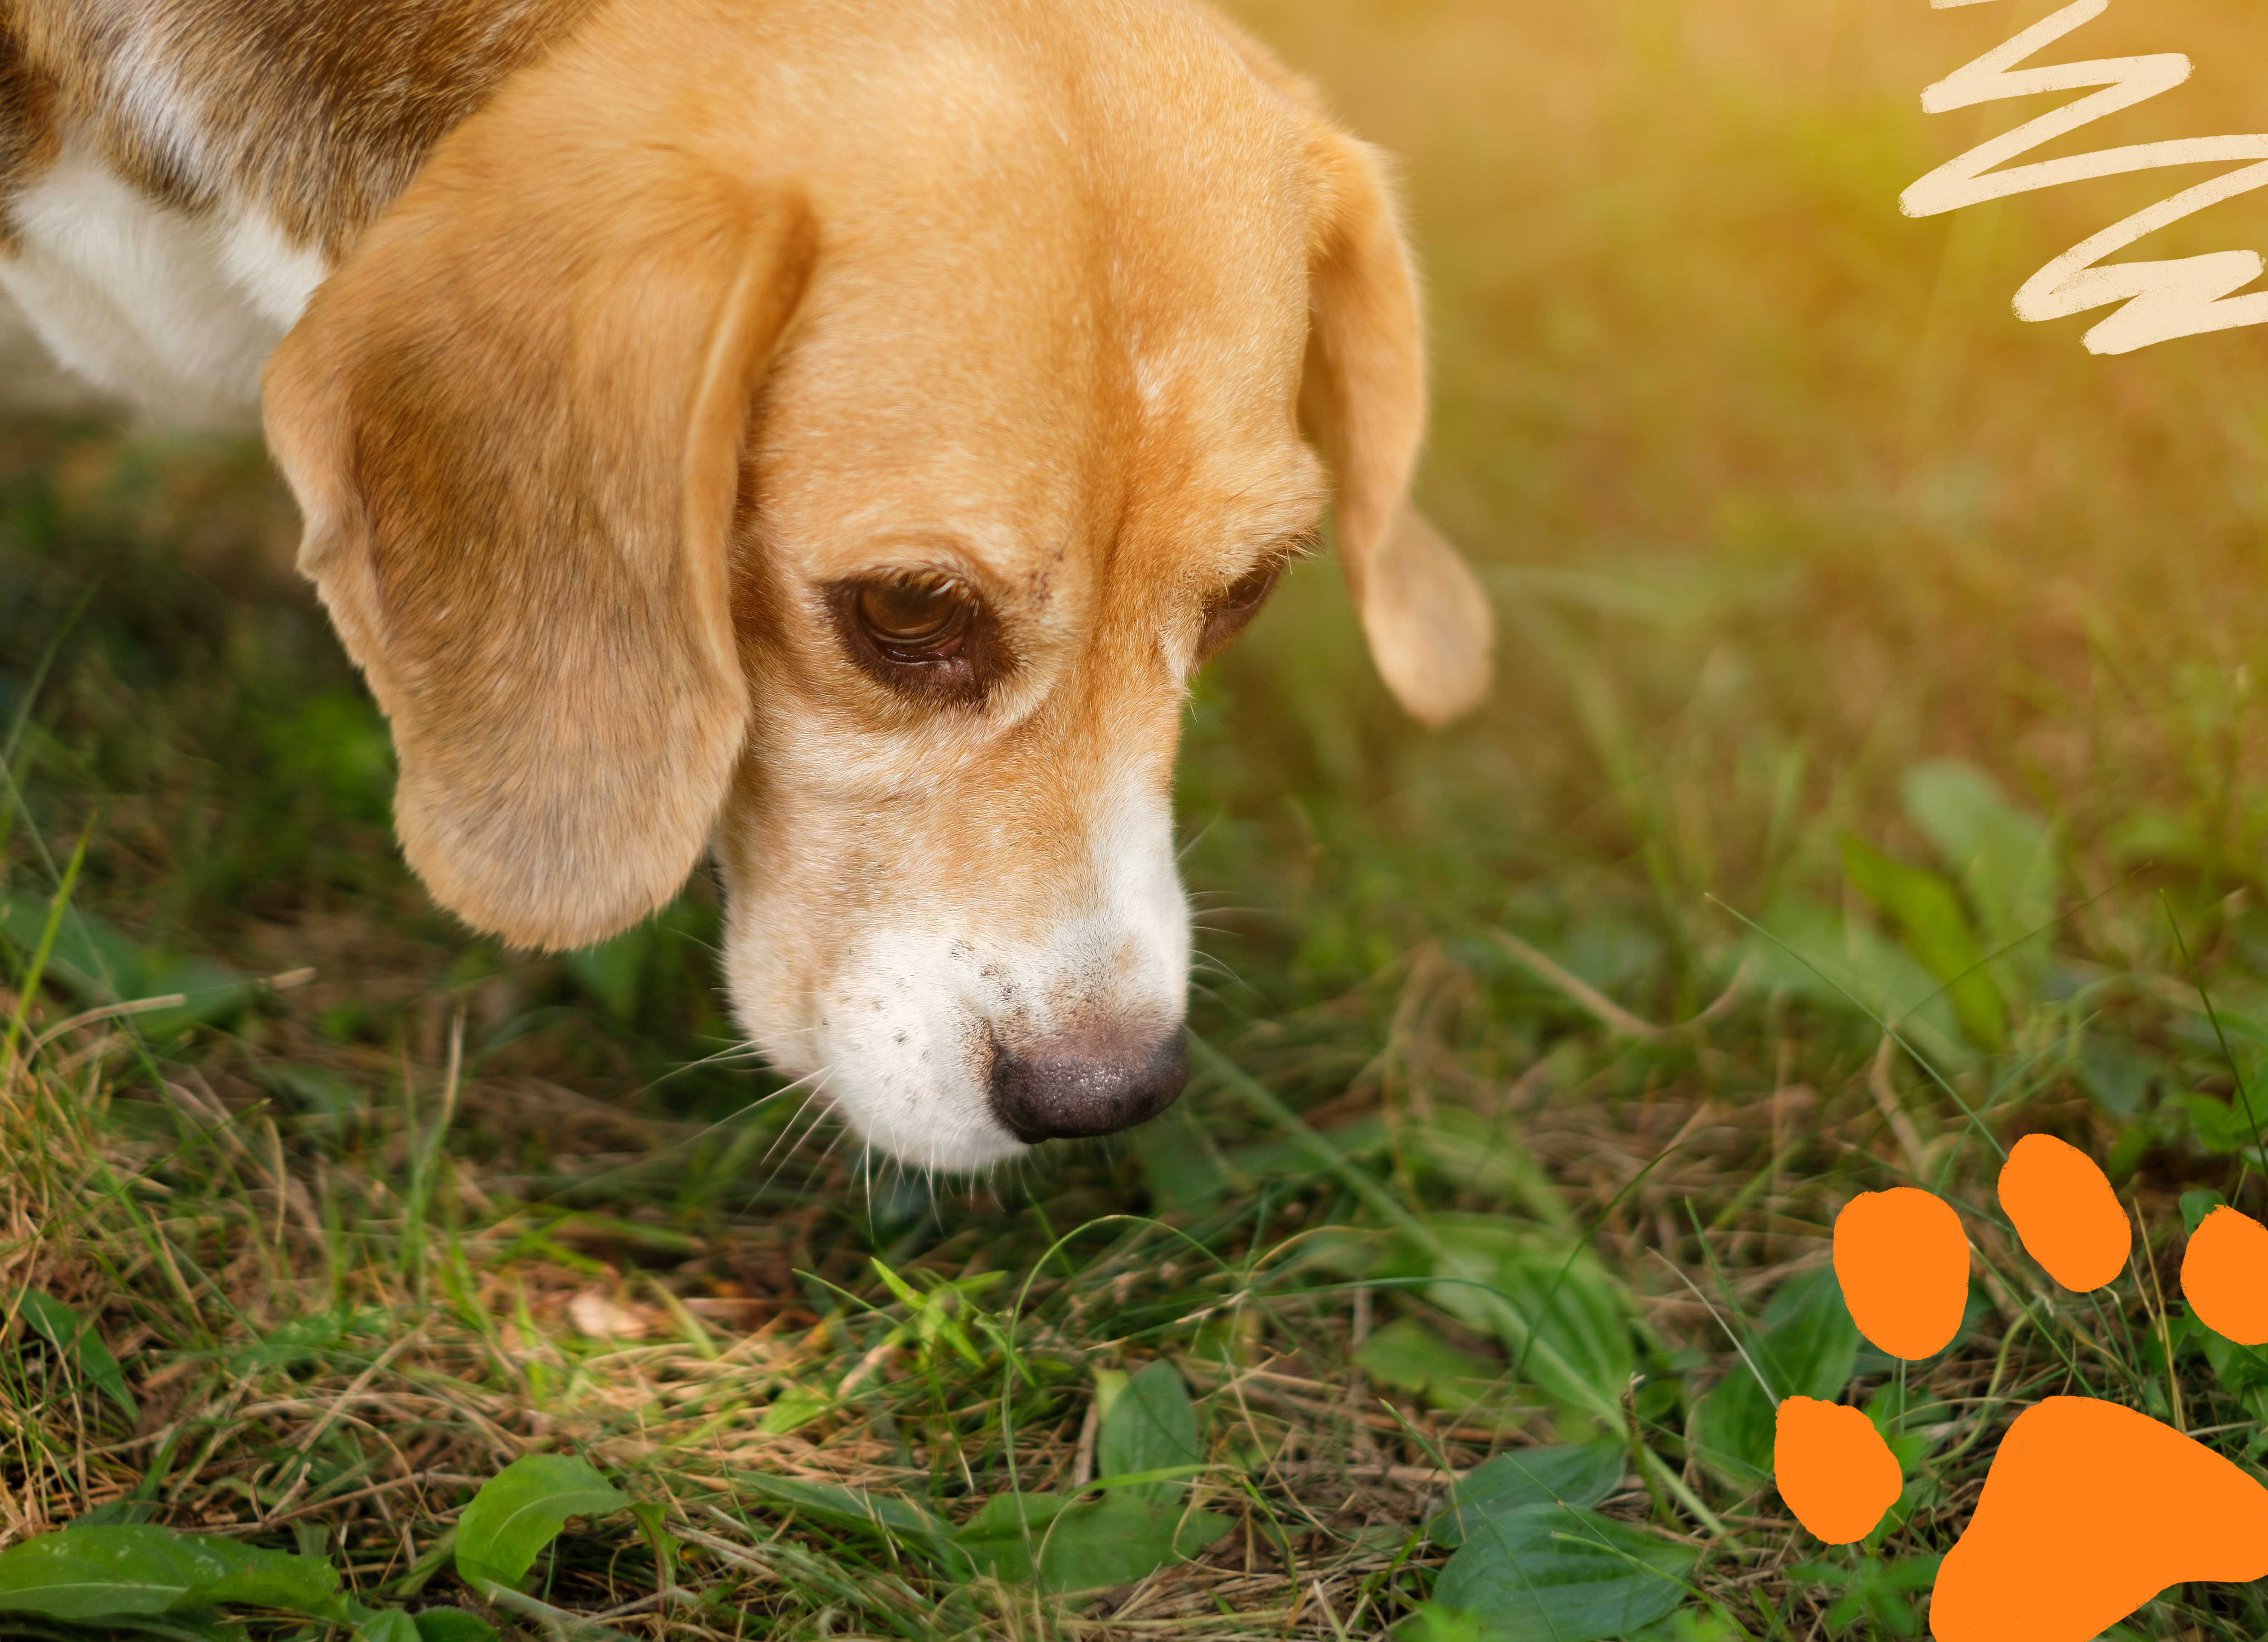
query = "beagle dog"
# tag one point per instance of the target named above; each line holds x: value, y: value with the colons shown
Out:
x: 827, y: 434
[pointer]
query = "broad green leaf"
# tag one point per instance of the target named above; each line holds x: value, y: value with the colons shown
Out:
x: 1150, y: 1426
x: 843, y: 1507
x: 2197, y: 1205
x: 256, y: 1578
x: 317, y: 1092
x: 1118, y: 1539
x: 1848, y: 966
x: 1553, y: 1574
x: 1877, y: 1590
x: 290, y: 1344
x: 387, y: 1624
x: 454, y: 1625
x: 1130, y: 1482
x: 1473, y: 1248
x: 1407, y: 1355
x: 95, y: 960
x: 521, y: 1510
x: 182, y: 1625
x: 1805, y: 1346
x: 2117, y: 1075
x: 2219, y: 1126
x: 1264, y: 1160
x: 1575, y: 1474
x: 1691, y: 1624
x: 1486, y: 1157
x: 213, y: 993
x: 1610, y: 950
x: 1568, y: 1334
x: 91, y: 957
x: 880, y: 1516
x: 75, y: 1339
x: 1936, y: 930
x: 1429, y: 1622
x: 116, y: 1513
x: 2242, y: 1369
x: 1180, y: 1165
x: 1006, y: 1533
x: 1568, y: 1329
x: 1807, y: 1338
x: 97, y: 1571
x: 89, y: 1572
x: 1905, y: 1416
x: 612, y: 970
x: 2005, y: 859
x: 792, y: 1410
x: 1109, y: 1386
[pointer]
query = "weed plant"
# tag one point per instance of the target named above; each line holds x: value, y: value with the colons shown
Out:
x: 1875, y: 775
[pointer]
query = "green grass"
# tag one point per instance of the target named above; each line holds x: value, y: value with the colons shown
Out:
x: 1866, y: 657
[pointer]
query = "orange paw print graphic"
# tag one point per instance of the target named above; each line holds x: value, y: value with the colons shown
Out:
x: 2089, y: 1509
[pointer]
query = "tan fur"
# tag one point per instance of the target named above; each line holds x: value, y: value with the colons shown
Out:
x: 523, y: 547
x: 715, y: 308
x: 1426, y: 617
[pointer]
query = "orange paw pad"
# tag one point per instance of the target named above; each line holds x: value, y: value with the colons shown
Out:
x: 2090, y: 1511
x: 2225, y: 1276
x: 2064, y: 1209
x: 1903, y: 1262
x: 1833, y: 1468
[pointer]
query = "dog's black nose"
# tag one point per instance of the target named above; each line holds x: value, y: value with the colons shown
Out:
x: 1091, y: 1083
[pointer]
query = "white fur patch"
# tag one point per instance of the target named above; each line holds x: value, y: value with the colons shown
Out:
x: 275, y: 274
x: 175, y: 312
x: 901, y: 1039
x: 1133, y: 848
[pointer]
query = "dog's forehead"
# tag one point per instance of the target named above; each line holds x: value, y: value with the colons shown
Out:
x: 1049, y: 310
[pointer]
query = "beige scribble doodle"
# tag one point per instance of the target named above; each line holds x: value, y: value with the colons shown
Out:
x: 2160, y: 300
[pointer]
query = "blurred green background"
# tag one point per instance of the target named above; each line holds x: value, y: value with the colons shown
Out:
x: 1866, y: 655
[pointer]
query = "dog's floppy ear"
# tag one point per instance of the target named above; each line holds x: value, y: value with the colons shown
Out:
x: 513, y: 421
x: 1362, y: 392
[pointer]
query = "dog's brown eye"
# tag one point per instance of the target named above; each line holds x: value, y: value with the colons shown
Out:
x: 1228, y: 616
x: 926, y: 634
x: 1246, y: 596
x: 914, y: 621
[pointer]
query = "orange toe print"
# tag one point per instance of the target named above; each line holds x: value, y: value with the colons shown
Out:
x: 2064, y: 1209
x: 2225, y: 1276
x: 1833, y: 1468
x: 1903, y: 1261
x: 2090, y: 1511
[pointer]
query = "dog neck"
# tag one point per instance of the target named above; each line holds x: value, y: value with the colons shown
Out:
x: 176, y: 176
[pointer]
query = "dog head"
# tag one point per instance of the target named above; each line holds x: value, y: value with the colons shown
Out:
x: 837, y: 448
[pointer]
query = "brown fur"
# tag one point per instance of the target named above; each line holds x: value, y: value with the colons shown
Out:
x: 322, y: 110
x: 28, y: 136
x: 564, y: 687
